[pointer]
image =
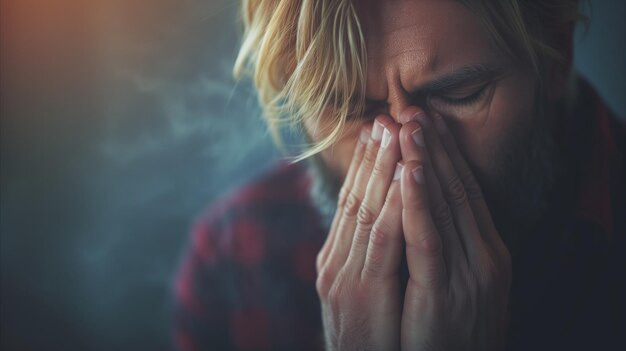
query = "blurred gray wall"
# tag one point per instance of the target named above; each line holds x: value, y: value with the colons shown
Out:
x: 120, y: 124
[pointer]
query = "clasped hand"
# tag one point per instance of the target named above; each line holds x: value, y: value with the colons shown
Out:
x: 408, y: 187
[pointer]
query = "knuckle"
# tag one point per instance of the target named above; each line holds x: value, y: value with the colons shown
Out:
x: 455, y: 192
x: 322, y: 258
x: 339, y: 291
x: 379, y: 169
x: 472, y: 188
x: 343, y: 195
x: 430, y: 243
x: 365, y: 216
x: 442, y: 216
x: 323, y: 282
x: 426, y: 242
x: 380, y: 237
x: 372, y: 267
x: 334, y: 296
x: 490, y: 275
x: 370, y: 156
x: 380, y: 234
x: 352, y: 204
x: 440, y: 210
x: 319, y: 263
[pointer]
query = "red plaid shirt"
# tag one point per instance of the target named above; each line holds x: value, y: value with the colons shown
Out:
x: 248, y: 279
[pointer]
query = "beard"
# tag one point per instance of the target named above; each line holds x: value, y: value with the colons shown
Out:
x: 517, y: 193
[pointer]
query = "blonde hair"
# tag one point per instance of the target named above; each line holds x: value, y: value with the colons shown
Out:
x: 308, y: 57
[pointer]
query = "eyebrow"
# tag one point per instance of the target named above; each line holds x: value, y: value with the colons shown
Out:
x: 460, y: 76
x: 463, y: 75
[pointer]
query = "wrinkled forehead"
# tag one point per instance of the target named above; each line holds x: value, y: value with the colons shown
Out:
x: 416, y: 40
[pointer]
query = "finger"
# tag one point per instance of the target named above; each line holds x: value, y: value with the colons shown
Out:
x: 412, y: 144
x: 347, y: 222
x: 376, y: 191
x: 384, y: 250
x: 472, y: 187
x: 454, y: 193
x: 424, y: 254
x: 357, y: 156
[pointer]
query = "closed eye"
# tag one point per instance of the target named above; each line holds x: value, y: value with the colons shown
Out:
x: 463, y: 100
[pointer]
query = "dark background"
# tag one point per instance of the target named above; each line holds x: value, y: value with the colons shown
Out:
x: 120, y: 124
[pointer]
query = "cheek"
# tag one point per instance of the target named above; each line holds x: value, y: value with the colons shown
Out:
x: 481, y: 137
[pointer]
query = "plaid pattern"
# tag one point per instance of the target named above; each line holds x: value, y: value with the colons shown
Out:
x: 248, y: 279
x: 248, y: 282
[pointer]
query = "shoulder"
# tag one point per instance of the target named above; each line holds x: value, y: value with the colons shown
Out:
x: 600, y: 146
x: 268, y: 217
x: 250, y: 262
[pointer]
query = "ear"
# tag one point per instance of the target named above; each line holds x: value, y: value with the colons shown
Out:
x: 558, y: 72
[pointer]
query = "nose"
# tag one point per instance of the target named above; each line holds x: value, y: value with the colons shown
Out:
x: 398, y: 101
x: 396, y: 104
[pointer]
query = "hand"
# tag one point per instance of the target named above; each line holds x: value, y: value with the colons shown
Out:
x: 358, y: 266
x: 460, y: 270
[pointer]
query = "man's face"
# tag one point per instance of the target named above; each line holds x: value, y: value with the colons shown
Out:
x: 436, y: 55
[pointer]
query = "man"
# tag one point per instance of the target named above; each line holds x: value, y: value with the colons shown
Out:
x: 479, y: 187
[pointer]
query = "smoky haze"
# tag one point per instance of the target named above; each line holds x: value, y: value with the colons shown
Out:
x: 112, y: 143
x: 120, y: 124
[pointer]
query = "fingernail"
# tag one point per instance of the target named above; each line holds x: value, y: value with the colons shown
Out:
x: 386, y: 139
x: 377, y: 131
x: 398, y: 173
x: 365, y: 136
x: 440, y: 125
x: 418, y: 137
x: 418, y: 174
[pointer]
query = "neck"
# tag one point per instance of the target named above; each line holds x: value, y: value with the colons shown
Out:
x: 324, y: 189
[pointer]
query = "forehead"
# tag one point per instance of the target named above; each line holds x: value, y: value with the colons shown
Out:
x: 412, y: 41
